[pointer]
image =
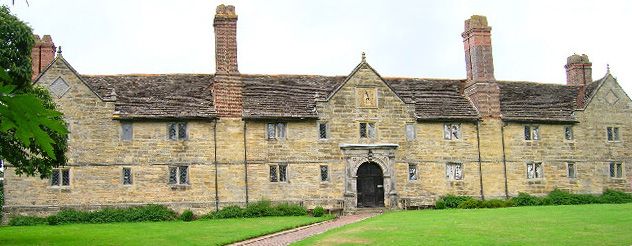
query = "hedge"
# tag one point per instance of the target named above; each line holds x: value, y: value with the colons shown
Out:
x: 257, y: 209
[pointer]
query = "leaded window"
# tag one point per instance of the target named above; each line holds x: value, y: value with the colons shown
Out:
x: 616, y: 169
x: 278, y: 173
x: 531, y: 133
x: 324, y: 173
x: 613, y: 134
x: 410, y: 131
x: 412, y: 171
x: 534, y: 170
x: 454, y: 171
x: 570, y: 166
x: 568, y: 133
x: 322, y: 130
x: 179, y: 175
x: 177, y: 131
x: 274, y: 177
x: 127, y: 176
x: 276, y: 130
x: 367, y: 130
x: 451, y: 131
x: 60, y: 177
x: 127, y: 131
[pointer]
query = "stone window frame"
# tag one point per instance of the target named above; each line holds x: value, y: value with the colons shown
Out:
x: 613, y: 134
x: 127, y: 131
x: 131, y: 176
x: 178, y: 126
x: 178, y: 175
x: 452, y: 174
x: 532, y: 133
x: 616, y: 170
x: 410, y: 129
x: 326, y: 175
x: 452, y: 131
x: 276, y: 130
x: 370, y: 130
x: 60, y: 173
x: 278, y: 168
x: 571, y: 170
x: 568, y: 133
x: 415, y: 168
x: 533, y: 174
x: 319, y: 130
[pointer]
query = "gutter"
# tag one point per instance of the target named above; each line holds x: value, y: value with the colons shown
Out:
x: 215, y: 163
x: 480, y: 167
x: 245, y: 162
x: 502, y: 136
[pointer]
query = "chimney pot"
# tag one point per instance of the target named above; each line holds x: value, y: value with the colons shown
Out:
x: 477, y: 44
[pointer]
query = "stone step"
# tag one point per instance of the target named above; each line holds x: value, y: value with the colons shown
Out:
x: 368, y: 211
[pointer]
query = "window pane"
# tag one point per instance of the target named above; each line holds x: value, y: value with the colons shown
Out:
x: 271, y: 132
x: 281, y: 129
x: 447, y: 132
x: 372, y: 130
x: 322, y: 130
x: 324, y: 173
x: 456, y: 131
x: 571, y: 170
x: 609, y: 131
x: 184, y: 174
x: 539, y: 173
x: 568, y: 133
x: 619, y: 170
x: 273, y: 173
x: 65, y: 177
x: 612, y: 169
x: 282, y: 173
x: 527, y: 133
x: 535, y: 133
x: 363, y: 130
x: 412, y: 172
x: 172, y: 132
x: 127, y: 176
x: 458, y: 171
x: 173, y: 175
x: 410, y: 132
x: 615, y: 133
x: 182, y: 130
x: 449, y: 171
x: 530, y: 171
x: 54, y: 178
x: 126, y: 131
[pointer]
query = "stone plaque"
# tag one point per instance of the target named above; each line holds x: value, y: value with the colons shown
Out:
x: 366, y: 97
x: 59, y: 87
x: 611, y: 97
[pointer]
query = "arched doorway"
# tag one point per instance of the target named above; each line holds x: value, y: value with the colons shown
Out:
x: 370, y: 185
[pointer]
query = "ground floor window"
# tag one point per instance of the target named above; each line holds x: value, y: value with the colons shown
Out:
x: 127, y: 176
x: 570, y: 166
x: 278, y: 173
x: 179, y: 175
x: 534, y: 170
x: 412, y: 172
x: 324, y: 173
x: 454, y: 171
x: 616, y: 169
x: 60, y: 177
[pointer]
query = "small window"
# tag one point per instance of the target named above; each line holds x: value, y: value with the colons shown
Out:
x: 179, y: 175
x: 568, y: 133
x: 127, y: 176
x: 367, y: 130
x: 177, y: 131
x: 60, y: 177
x: 454, y: 171
x: 127, y: 131
x: 616, y: 169
x: 613, y: 134
x: 412, y: 172
x: 323, y: 130
x: 531, y: 133
x: 534, y: 170
x: 410, y: 131
x: 276, y: 130
x: 278, y: 173
x: 572, y: 173
x: 324, y: 173
x: 452, y: 131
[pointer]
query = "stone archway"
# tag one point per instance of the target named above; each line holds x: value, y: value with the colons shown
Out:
x: 370, y: 185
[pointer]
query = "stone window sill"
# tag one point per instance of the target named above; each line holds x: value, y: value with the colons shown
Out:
x: 536, y: 181
x: 179, y: 186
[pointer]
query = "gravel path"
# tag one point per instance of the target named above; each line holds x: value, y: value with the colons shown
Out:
x: 293, y: 235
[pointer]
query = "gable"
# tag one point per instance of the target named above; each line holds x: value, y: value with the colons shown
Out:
x: 606, y: 95
x: 368, y: 78
x: 61, y: 79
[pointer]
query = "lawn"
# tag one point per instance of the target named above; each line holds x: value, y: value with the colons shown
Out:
x: 604, y: 224
x: 201, y: 232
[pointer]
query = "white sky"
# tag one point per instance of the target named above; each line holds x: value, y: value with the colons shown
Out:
x: 531, y: 39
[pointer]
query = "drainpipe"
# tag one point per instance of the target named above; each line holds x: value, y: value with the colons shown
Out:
x: 215, y: 163
x: 245, y: 163
x: 502, y: 135
x: 480, y: 168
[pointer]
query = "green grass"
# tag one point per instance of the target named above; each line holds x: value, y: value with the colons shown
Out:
x: 603, y: 224
x: 201, y: 232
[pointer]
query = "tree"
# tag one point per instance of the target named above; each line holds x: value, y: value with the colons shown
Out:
x: 33, y: 134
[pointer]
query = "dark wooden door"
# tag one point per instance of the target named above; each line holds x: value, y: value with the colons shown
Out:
x: 370, y: 185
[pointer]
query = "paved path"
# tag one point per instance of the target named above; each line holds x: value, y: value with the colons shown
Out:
x: 293, y: 235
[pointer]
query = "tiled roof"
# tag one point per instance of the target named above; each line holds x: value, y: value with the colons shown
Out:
x: 163, y: 96
x: 536, y: 102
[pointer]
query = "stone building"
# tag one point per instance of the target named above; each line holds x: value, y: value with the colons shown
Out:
x: 204, y: 141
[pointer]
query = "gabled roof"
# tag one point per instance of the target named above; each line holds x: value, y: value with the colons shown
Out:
x: 536, y: 102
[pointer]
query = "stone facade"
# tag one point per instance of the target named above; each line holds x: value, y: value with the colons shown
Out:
x: 230, y: 157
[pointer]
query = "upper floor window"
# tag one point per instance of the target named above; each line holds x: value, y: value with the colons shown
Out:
x: 324, y: 173
x: 323, y: 130
x: 534, y: 170
x: 177, y: 131
x: 60, y: 177
x: 454, y: 171
x: 367, y: 130
x: 613, y: 134
x: 616, y: 169
x: 276, y: 130
x: 531, y: 133
x: 451, y: 131
x: 127, y: 131
x: 568, y: 133
x: 410, y: 131
x: 179, y: 175
x: 127, y: 176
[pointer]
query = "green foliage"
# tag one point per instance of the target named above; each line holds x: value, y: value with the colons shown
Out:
x: 27, y: 221
x: 232, y: 211
x: 470, y: 204
x: 318, y: 211
x: 15, y: 48
x: 187, y: 215
x: 613, y: 196
x: 110, y: 215
x: 286, y: 209
x: 524, y: 199
x: 440, y: 204
x: 52, y: 220
x: 258, y: 209
x: 496, y: 203
x: 452, y: 201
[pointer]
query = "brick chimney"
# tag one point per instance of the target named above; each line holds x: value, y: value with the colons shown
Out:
x: 477, y: 41
x: 579, y: 74
x: 42, y: 54
x: 227, y: 87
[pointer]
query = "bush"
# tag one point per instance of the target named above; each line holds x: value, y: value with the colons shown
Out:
x: 524, y: 199
x: 613, y: 196
x: 452, y: 201
x: 440, y: 204
x: 259, y: 209
x: 187, y: 215
x: 318, y: 211
x: 227, y: 212
x: 52, y: 220
x: 470, y: 204
x: 111, y: 215
x: 496, y: 203
x: 27, y: 221
x: 286, y: 209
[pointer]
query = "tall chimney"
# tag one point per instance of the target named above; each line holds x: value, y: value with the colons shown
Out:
x: 227, y: 87
x: 477, y: 42
x: 579, y: 73
x: 42, y: 54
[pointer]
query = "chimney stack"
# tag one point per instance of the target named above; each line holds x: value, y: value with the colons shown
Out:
x: 579, y: 73
x: 225, y: 25
x: 42, y: 54
x: 477, y: 42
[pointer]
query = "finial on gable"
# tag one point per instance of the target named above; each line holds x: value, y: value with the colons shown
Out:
x: 363, y: 57
x: 59, y: 50
x: 608, y: 68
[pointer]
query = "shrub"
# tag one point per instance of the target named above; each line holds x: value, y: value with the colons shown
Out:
x: 227, y: 212
x: 452, y: 201
x: 286, y: 209
x: 495, y: 203
x: 440, y: 204
x: 27, y: 221
x: 613, y: 196
x: 259, y: 209
x: 52, y: 220
x: 470, y: 204
x: 187, y: 215
x: 110, y: 215
x: 524, y: 199
x: 318, y: 211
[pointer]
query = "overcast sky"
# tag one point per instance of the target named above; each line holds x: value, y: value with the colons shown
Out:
x: 531, y: 39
